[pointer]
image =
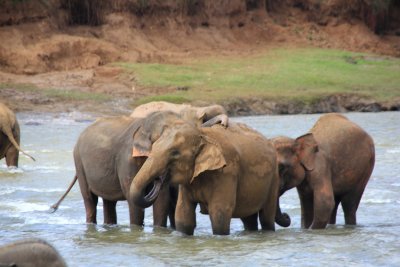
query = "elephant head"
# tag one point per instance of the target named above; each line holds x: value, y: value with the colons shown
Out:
x: 151, y: 129
x: 295, y: 158
x: 179, y: 155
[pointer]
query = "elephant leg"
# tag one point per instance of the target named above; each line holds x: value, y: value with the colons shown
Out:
x: 171, y: 216
x: 220, y: 219
x: 90, y: 202
x: 268, y: 212
x: 136, y: 214
x: 185, y: 214
x: 220, y: 119
x: 221, y: 209
x: 172, y: 205
x: 89, y: 199
x: 110, y: 213
x: 250, y: 223
x: 324, y: 203
x: 334, y: 211
x: 307, y: 209
x: 12, y: 156
x: 161, y: 207
x: 350, y: 204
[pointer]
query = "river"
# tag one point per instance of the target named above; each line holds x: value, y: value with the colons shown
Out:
x: 27, y: 192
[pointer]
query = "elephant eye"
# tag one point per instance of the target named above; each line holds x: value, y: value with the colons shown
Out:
x: 175, y: 153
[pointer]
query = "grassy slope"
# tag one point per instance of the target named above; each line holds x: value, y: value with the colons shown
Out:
x: 293, y: 74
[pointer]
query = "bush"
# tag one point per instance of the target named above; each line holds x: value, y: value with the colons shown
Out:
x: 85, y: 12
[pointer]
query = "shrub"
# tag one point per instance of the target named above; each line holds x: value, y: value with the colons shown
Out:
x: 85, y: 12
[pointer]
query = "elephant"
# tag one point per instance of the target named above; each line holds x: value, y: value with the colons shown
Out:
x: 105, y: 166
x: 231, y: 172
x: 10, y: 137
x: 32, y: 252
x: 329, y: 165
x: 211, y: 114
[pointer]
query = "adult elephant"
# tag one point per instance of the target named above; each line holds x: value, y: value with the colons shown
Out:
x: 329, y: 165
x: 30, y: 252
x: 10, y: 137
x: 209, y: 114
x: 231, y: 172
x: 105, y: 166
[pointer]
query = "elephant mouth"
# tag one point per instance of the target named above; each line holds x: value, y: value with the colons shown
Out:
x: 153, y: 188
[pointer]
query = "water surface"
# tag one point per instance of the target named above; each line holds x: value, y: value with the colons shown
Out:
x: 27, y: 192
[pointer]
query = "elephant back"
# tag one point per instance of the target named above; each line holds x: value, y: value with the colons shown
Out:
x: 247, y: 144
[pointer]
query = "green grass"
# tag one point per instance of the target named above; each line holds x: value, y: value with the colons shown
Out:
x: 76, y: 95
x: 289, y: 74
x: 59, y: 94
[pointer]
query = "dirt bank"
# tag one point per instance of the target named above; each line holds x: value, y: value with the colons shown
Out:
x: 121, y: 104
x: 69, y: 46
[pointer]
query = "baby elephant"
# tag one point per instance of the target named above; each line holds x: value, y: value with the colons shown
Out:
x: 30, y: 253
x: 329, y: 165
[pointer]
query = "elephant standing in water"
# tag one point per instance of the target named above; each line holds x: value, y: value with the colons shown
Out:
x: 330, y: 165
x: 30, y: 253
x: 9, y: 137
x: 105, y: 166
x: 231, y: 172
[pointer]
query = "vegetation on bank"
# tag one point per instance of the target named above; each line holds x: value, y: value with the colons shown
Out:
x: 304, y: 75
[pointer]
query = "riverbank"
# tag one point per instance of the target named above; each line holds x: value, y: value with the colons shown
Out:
x: 252, y: 57
x: 271, y: 81
x: 37, y: 102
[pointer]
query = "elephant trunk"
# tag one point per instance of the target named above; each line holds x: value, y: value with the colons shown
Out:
x: 8, y: 132
x: 282, y: 219
x: 146, y: 185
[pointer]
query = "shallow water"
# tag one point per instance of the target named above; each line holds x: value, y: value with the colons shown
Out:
x: 27, y: 192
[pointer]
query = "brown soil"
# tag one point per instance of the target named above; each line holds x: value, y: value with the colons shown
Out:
x: 39, y: 47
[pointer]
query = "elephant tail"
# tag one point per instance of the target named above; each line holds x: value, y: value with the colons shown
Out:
x: 10, y: 136
x: 55, y: 206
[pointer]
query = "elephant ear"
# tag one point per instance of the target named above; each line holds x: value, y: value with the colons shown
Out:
x: 142, y: 143
x: 307, y: 148
x: 201, y: 115
x: 210, y: 157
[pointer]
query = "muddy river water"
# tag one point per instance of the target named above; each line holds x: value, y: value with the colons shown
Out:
x: 27, y: 192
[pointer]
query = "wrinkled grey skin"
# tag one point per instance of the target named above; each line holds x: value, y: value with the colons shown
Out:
x: 105, y: 166
x: 330, y: 165
x: 9, y: 137
x: 30, y: 253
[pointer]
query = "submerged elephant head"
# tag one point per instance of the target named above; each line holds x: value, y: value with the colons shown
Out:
x: 178, y: 156
x: 295, y: 158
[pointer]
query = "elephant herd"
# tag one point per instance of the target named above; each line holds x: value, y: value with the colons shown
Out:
x: 175, y: 157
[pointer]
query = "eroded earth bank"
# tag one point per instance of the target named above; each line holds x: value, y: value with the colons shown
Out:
x: 58, y: 55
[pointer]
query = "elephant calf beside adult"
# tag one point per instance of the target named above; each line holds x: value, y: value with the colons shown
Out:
x: 330, y: 165
x: 105, y: 166
x: 10, y: 137
x: 231, y: 172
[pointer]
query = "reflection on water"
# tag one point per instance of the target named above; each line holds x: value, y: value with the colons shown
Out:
x: 27, y: 192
